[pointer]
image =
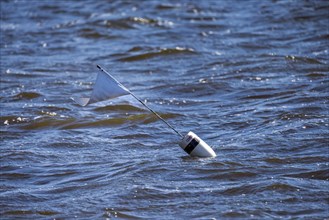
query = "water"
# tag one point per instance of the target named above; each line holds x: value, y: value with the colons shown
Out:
x: 249, y: 77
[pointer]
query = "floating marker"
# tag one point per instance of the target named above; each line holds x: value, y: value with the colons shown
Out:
x: 195, y: 146
x: 107, y: 87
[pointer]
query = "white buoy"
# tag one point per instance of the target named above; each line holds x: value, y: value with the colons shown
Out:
x: 195, y: 146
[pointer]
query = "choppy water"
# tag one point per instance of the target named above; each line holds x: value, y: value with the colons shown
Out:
x: 249, y: 77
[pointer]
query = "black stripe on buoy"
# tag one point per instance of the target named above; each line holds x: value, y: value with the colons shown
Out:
x: 190, y: 147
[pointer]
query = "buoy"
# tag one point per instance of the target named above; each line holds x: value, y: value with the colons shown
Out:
x: 195, y: 146
x: 107, y: 87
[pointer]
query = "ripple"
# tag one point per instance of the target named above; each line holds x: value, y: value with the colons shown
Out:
x: 19, y: 212
x: 161, y: 52
x: 167, y: 6
x: 53, y: 121
x: 133, y: 136
x: 91, y: 33
x: 27, y: 95
x: 47, y: 122
x: 304, y: 59
x: 242, y: 189
x: 318, y: 175
x: 119, y: 108
x: 111, y: 212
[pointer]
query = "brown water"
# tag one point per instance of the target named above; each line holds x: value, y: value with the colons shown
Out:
x: 249, y: 77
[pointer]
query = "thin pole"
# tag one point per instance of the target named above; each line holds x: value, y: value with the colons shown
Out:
x: 156, y: 114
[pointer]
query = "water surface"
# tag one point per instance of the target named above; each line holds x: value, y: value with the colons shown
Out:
x: 249, y: 77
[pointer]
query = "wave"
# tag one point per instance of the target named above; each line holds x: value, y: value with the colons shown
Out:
x: 160, y: 52
x: 67, y: 123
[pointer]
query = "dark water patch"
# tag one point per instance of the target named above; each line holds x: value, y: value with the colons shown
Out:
x: 210, y: 25
x: 81, y: 178
x: 167, y: 6
x: 178, y: 51
x: 260, y: 96
x: 282, y: 187
x: 294, y: 160
x: 54, y: 109
x: 133, y: 136
x: 318, y: 175
x: 94, y: 34
x: 67, y: 143
x: 67, y: 189
x: 120, y: 108
x: 51, y: 120
x: 303, y: 59
x: 309, y: 109
x: 38, y: 70
x: 112, y: 22
x: 52, y: 177
x: 47, y: 212
x: 15, y: 176
x: 12, y: 119
x: 19, y: 212
x: 114, y: 213
x: 297, y: 116
x: 302, y: 213
x: 139, y: 48
x: 259, y: 188
x: 242, y: 189
x: 27, y: 95
x: 234, y: 214
x: 18, y: 153
x: 197, y: 89
x: 120, y: 168
x: 230, y: 175
x: 47, y: 122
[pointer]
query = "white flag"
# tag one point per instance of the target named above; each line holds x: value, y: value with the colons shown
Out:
x: 106, y: 87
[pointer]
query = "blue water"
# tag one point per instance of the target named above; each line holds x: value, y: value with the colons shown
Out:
x: 249, y: 77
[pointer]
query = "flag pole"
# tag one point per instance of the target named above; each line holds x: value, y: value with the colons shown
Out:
x: 156, y: 114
